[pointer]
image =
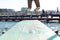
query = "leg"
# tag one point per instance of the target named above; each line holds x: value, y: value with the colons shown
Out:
x: 37, y: 3
x: 37, y: 6
x: 29, y: 7
x: 29, y: 3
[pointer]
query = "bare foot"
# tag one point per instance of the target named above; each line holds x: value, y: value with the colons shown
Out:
x: 36, y: 11
x: 26, y: 11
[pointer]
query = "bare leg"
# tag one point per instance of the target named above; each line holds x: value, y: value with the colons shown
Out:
x: 29, y: 7
x: 37, y: 6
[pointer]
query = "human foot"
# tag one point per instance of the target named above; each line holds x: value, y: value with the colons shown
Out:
x: 36, y: 11
x: 26, y: 12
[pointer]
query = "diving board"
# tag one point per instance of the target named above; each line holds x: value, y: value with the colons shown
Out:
x: 29, y: 30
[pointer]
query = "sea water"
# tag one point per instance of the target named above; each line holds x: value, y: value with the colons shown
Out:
x: 6, y: 25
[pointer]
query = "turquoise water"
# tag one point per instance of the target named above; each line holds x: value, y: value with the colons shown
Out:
x: 9, y: 24
x: 52, y: 37
x: 6, y: 25
x: 53, y: 26
x: 28, y: 29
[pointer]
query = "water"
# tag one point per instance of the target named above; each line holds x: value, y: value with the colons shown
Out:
x: 53, y: 26
x: 29, y: 29
x: 9, y: 24
x: 6, y: 25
